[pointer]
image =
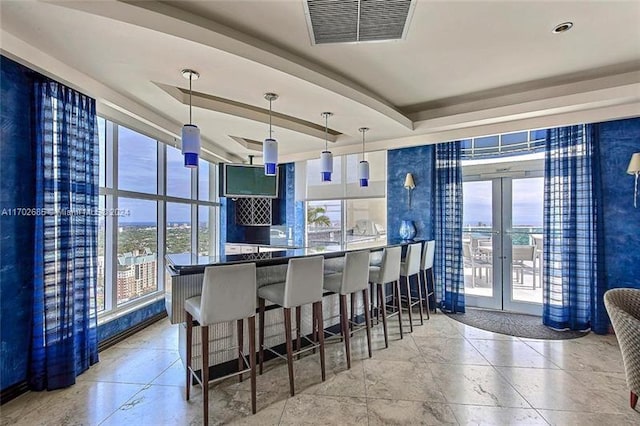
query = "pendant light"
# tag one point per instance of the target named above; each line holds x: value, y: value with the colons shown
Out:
x: 190, y: 132
x: 326, y: 157
x: 363, y: 167
x: 270, y: 145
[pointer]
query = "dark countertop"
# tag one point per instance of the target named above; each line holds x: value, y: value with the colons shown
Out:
x: 181, y: 264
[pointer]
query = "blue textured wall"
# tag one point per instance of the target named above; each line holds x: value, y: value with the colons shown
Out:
x: 292, y: 215
x: 120, y: 324
x: 17, y: 189
x: 618, y: 140
x: 418, y: 161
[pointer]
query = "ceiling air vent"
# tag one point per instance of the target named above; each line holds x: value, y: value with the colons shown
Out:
x: 349, y: 21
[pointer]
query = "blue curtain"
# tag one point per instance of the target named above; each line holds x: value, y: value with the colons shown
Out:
x: 64, y: 340
x: 448, y: 228
x: 573, y: 273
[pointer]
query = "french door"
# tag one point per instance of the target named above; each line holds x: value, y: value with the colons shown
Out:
x: 502, y: 243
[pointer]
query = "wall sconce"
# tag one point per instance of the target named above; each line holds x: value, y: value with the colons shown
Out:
x: 634, y: 169
x: 409, y: 184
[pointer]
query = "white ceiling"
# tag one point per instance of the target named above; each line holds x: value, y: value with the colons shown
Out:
x: 455, y: 52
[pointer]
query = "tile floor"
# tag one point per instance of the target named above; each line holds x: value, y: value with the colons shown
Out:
x: 444, y: 373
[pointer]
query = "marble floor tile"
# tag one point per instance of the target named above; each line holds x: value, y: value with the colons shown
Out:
x: 563, y: 418
x: 476, y: 385
x: 555, y: 390
x: 498, y: 416
x: 510, y: 353
x: 323, y: 410
x: 449, y: 351
x: 348, y: 383
x: 130, y: 365
x: 475, y: 333
x: 172, y: 376
x: 165, y: 405
x: 83, y: 403
x: 439, y: 326
x: 161, y: 335
x: 575, y: 354
x: 610, y: 386
x: 398, y: 412
x: 400, y: 380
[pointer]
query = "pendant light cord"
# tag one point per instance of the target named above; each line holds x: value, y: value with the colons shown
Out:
x: 270, y: 134
x: 190, y: 78
x: 363, y: 144
x: 326, y: 132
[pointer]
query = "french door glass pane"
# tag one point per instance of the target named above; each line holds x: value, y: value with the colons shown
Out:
x: 477, y: 246
x: 324, y: 223
x: 137, y: 249
x: 526, y: 237
x: 178, y: 234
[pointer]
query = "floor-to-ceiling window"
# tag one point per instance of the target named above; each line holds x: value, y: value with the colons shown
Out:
x: 341, y: 213
x: 150, y: 206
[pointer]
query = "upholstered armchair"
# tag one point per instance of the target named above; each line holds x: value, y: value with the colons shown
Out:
x: 623, y: 306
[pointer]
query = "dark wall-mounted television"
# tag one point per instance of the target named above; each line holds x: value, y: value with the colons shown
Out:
x: 242, y: 180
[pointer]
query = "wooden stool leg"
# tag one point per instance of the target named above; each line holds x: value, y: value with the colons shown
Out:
x: 189, y: 352
x: 261, y: 303
x: 353, y: 311
x: 408, y: 304
x: 397, y: 287
x: 382, y: 305
x: 426, y: 290
x: 367, y: 319
x: 289, y: 344
x: 252, y: 360
x: 341, y: 308
x: 344, y: 320
x: 433, y: 286
x: 205, y: 373
x: 240, y: 326
x: 320, y: 322
x: 298, y: 329
x: 420, y: 299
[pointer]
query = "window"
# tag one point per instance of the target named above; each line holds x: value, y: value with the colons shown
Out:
x: 137, y: 249
x: 342, y: 213
x: 101, y: 254
x: 153, y: 218
x: 178, y: 235
x: 137, y: 162
x: 178, y: 176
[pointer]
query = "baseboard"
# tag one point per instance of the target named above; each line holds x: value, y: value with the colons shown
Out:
x: 117, y: 338
x: 13, y: 392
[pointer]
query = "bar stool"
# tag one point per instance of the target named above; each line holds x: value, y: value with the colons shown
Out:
x: 303, y: 285
x: 387, y: 273
x: 409, y: 268
x: 228, y: 294
x: 426, y: 270
x: 353, y: 279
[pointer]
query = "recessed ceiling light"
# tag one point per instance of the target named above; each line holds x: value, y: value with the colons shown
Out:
x: 561, y: 28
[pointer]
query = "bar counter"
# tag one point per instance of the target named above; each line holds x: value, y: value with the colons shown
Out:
x: 184, y: 280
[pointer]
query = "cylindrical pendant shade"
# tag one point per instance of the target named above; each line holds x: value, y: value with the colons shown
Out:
x: 363, y: 173
x: 190, y: 145
x: 326, y: 165
x: 270, y: 156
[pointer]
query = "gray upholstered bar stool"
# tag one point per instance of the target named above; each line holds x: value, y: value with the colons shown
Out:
x: 409, y: 268
x: 228, y: 294
x: 387, y: 273
x: 303, y: 286
x: 354, y: 278
x: 426, y: 270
